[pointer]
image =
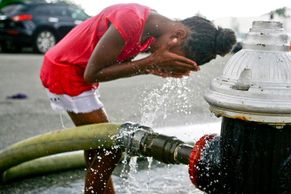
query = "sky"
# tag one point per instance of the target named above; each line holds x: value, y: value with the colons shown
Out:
x: 180, y: 9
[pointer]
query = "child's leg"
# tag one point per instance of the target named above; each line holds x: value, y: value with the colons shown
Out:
x: 98, y: 176
x: 99, y: 165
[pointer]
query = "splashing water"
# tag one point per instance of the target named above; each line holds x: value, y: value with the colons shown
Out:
x: 62, y: 120
x: 170, y: 179
x: 150, y: 161
x: 173, y: 95
x: 129, y: 183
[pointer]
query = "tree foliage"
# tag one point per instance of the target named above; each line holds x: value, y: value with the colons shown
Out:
x: 282, y: 12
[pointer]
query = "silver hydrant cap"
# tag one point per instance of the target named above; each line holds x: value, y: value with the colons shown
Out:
x: 256, y: 81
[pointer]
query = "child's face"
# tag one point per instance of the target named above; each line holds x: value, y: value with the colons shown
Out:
x: 178, y: 50
x: 169, y: 43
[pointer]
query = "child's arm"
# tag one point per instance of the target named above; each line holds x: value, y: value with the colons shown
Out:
x: 102, y: 64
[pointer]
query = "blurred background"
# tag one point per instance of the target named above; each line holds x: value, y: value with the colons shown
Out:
x: 40, y: 24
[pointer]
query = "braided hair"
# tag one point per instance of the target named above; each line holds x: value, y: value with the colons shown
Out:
x: 206, y: 41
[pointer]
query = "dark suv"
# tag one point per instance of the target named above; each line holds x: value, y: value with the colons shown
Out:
x: 36, y: 24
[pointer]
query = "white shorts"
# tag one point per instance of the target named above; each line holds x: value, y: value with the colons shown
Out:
x: 85, y: 102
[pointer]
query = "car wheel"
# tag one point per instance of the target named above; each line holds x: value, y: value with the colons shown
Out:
x: 44, y: 40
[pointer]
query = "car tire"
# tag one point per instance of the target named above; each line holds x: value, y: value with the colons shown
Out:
x: 44, y: 40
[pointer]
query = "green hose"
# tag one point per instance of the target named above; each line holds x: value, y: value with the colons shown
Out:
x: 45, y: 165
x: 79, y: 138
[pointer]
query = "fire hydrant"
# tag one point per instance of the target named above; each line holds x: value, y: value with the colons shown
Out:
x: 253, y: 97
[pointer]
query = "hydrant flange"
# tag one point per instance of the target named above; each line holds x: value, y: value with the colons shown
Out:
x: 256, y: 81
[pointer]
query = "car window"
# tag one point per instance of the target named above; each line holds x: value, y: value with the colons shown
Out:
x: 78, y: 14
x: 42, y: 11
x: 12, y: 9
x: 60, y: 11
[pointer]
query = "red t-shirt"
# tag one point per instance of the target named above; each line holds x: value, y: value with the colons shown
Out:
x: 64, y: 64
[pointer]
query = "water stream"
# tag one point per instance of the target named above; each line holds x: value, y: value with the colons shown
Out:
x: 174, y: 94
x: 157, y: 103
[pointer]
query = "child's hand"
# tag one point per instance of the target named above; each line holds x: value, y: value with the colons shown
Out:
x: 168, y: 61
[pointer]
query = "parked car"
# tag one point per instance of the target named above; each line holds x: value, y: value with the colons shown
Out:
x: 37, y: 24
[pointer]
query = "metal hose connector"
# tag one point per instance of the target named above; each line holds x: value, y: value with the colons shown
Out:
x: 138, y: 140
